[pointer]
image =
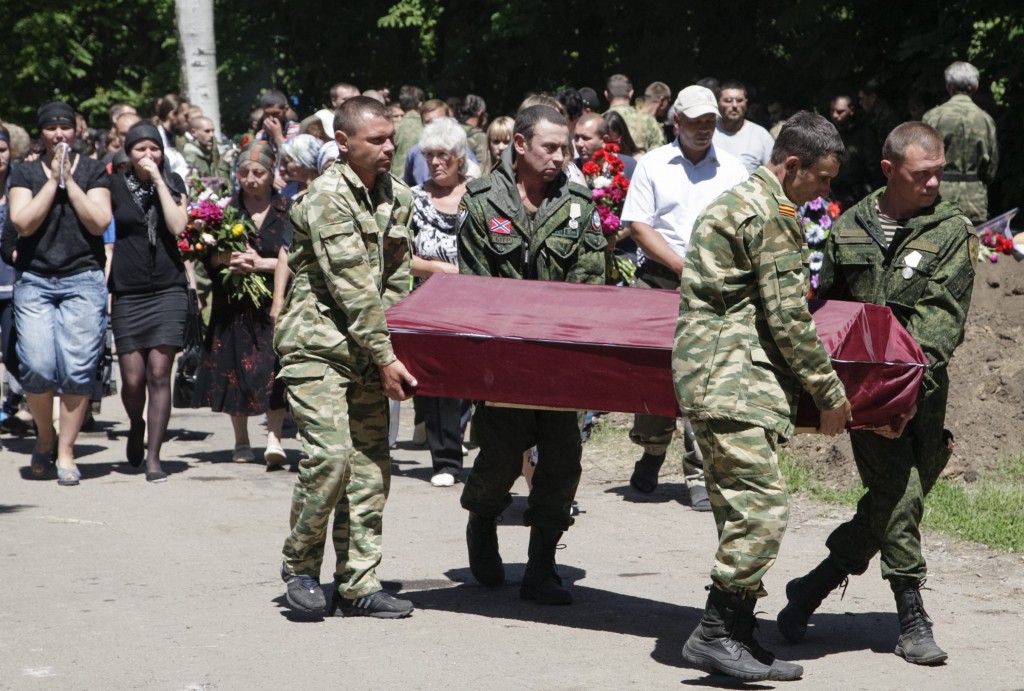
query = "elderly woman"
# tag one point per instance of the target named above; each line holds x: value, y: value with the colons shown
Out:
x: 59, y: 207
x: 434, y: 224
x: 149, y: 289
x: 299, y: 160
x: 239, y: 366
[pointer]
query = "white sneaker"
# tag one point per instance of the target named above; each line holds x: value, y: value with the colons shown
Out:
x: 465, y: 451
x: 419, y: 434
x: 243, y: 454
x: 443, y: 480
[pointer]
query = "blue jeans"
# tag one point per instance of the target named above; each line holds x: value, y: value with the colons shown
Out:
x: 60, y: 322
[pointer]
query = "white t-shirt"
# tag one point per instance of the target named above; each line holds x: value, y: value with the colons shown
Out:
x: 668, y: 192
x: 752, y: 144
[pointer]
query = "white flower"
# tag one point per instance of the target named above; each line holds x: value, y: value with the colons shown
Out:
x: 814, y: 234
x: 223, y: 202
x: 601, y: 181
x: 205, y: 195
x: 208, y: 240
x: 816, y: 260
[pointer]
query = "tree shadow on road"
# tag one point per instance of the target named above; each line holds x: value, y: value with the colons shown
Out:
x: 666, y: 492
x: 829, y: 634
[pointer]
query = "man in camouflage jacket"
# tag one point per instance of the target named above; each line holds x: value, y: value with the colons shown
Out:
x: 351, y: 260
x: 969, y: 135
x: 527, y: 221
x: 745, y: 345
x: 905, y: 247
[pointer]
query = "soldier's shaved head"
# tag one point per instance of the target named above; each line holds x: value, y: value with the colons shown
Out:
x: 809, y: 137
x: 910, y: 134
x: 357, y: 110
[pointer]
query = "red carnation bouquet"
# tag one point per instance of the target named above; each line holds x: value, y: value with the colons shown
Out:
x: 609, y: 186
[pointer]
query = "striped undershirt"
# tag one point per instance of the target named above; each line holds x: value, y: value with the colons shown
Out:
x: 889, y: 225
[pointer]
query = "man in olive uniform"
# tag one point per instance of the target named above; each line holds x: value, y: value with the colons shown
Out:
x: 351, y: 260
x: 905, y: 247
x: 745, y: 345
x: 969, y: 135
x: 201, y: 152
x: 527, y: 221
x: 645, y: 130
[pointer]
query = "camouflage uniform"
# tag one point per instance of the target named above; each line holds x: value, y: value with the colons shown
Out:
x: 745, y: 345
x: 926, y: 277
x: 407, y: 135
x: 206, y: 161
x: 351, y: 259
x: 562, y: 243
x: 969, y: 134
x: 646, y: 132
x: 477, y: 140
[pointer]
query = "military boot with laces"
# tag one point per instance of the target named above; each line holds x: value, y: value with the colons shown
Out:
x: 916, y: 643
x: 714, y: 647
x: 805, y: 596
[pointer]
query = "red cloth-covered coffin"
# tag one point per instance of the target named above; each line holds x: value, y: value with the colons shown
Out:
x: 562, y: 345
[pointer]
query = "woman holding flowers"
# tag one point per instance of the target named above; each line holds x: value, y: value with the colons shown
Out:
x: 238, y: 369
x: 148, y: 290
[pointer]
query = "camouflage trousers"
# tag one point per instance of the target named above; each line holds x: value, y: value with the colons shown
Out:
x: 504, y: 434
x: 748, y: 499
x: 346, y: 471
x: 653, y: 432
x: 898, y: 474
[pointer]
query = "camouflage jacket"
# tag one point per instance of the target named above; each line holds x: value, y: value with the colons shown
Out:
x: 969, y: 134
x: 477, y: 140
x: 408, y: 130
x: 565, y: 242
x: 206, y: 162
x: 925, y: 276
x: 745, y: 342
x: 351, y: 259
x: 647, y: 134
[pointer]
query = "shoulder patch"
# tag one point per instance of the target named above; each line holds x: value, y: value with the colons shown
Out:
x: 595, y: 220
x: 787, y: 210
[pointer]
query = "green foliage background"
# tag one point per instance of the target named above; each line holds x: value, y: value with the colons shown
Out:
x: 797, y: 51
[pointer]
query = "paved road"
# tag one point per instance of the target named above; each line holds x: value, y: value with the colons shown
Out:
x: 119, y: 584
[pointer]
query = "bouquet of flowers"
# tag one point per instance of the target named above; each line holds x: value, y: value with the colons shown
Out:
x: 993, y: 244
x: 215, y: 225
x: 816, y: 217
x: 609, y: 186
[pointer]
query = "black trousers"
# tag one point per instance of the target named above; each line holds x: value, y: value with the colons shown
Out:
x: 443, y: 418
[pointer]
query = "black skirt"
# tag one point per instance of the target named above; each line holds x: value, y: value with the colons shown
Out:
x: 148, y: 320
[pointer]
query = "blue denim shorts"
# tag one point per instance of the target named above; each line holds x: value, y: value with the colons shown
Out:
x: 60, y: 322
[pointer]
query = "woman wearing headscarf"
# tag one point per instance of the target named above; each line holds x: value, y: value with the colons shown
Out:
x: 299, y: 159
x: 239, y: 366
x: 59, y: 206
x: 149, y: 290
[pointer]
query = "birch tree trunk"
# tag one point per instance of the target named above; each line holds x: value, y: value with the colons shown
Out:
x: 198, y: 54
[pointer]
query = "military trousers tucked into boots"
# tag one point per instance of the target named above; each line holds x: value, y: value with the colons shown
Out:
x: 748, y: 497
x: 346, y: 471
x: 898, y: 474
x: 504, y: 434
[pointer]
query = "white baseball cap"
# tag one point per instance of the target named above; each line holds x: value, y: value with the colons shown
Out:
x: 694, y: 101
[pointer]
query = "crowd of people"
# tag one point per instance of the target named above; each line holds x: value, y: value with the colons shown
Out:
x: 359, y: 203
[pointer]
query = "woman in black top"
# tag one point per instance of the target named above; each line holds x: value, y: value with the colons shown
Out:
x: 59, y: 207
x: 149, y: 290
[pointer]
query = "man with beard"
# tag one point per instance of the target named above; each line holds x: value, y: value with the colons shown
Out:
x: 737, y: 135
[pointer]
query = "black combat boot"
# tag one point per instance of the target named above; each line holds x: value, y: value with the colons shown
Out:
x: 484, y: 558
x: 713, y: 645
x: 541, y: 581
x: 745, y: 632
x: 916, y: 643
x: 645, y: 473
x: 805, y: 595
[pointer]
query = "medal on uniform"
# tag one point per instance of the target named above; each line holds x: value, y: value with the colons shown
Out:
x: 910, y: 263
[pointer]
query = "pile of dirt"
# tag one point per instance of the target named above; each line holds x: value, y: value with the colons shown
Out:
x: 986, y: 399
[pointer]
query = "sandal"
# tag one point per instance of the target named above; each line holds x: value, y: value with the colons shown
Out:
x: 275, y: 457
x: 68, y: 477
x: 42, y: 465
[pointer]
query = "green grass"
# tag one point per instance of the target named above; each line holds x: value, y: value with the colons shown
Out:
x: 990, y: 511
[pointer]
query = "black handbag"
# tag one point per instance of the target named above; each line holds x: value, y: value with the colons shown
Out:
x: 191, y: 354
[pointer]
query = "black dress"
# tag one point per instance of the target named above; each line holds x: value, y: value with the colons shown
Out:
x: 238, y: 367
